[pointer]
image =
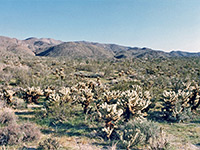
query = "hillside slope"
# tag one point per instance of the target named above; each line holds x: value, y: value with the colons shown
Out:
x: 28, y: 46
x: 77, y: 50
x: 15, y: 46
x: 81, y: 49
x: 39, y: 45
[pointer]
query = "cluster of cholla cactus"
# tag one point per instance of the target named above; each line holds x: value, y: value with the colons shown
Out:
x: 195, y: 97
x: 135, y: 102
x: 84, y: 93
x: 57, y: 103
x: 61, y: 96
x: 7, y: 96
x: 119, y: 106
x: 59, y: 73
x: 121, y: 73
x: 48, y: 91
x: 177, y: 105
x: 32, y: 94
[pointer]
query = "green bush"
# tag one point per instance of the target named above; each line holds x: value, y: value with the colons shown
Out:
x: 137, y: 132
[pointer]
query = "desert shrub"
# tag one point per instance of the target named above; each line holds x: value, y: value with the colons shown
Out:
x: 55, y: 100
x: 15, y: 134
x: 137, y: 132
x: 159, y: 142
x: 49, y: 144
x: 2, y: 104
x: 10, y: 135
x: 7, y: 116
x: 30, y: 132
x: 2, y: 101
x: 60, y: 115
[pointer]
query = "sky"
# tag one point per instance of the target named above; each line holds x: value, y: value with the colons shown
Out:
x: 158, y: 24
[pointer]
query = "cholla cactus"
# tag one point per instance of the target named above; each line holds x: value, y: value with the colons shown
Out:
x: 47, y: 92
x: 135, y: 101
x: 57, y: 105
x: 32, y: 94
x: 111, y: 115
x: 65, y: 94
x: 52, y: 99
x: 59, y: 73
x: 177, y: 104
x: 86, y: 93
x: 131, y: 137
x: 122, y: 105
x: 195, y: 97
x: 8, y: 96
x: 86, y: 96
x: 110, y: 96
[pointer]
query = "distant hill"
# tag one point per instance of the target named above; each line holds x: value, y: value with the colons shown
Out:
x: 39, y: 45
x: 184, y: 54
x: 28, y: 46
x: 77, y: 50
x: 140, y: 53
x: 81, y: 49
x: 14, y: 46
x: 97, y: 50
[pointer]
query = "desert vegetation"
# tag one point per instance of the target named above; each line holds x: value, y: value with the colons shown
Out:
x: 62, y: 103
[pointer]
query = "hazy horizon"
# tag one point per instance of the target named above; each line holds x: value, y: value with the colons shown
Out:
x: 161, y: 25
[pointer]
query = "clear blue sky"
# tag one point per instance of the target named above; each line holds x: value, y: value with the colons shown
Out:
x: 158, y: 24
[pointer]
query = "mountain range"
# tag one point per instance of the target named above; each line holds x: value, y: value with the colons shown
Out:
x: 81, y: 49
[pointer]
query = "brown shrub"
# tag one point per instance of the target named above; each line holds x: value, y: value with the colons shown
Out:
x: 7, y: 116
x: 49, y: 143
x: 10, y: 135
x: 30, y: 132
x: 16, y: 134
